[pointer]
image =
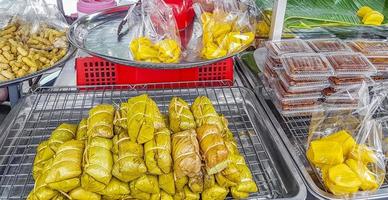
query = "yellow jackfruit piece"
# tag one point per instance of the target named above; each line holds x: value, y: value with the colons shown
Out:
x: 362, y: 153
x: 344, y: 138
x: 363, y: 11
x: 373, y: 18
x: 341, y: 180
x: 368, y: 179
x: 324, y: 152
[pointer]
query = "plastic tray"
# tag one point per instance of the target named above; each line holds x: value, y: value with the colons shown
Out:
x: 298, y: 109
x: 301, y: 86
x: 380, y: 63
x: 281, y: 47
x: 36, y: 115
x: 369, y: 47
x: 350, y: 64
x: 328, y: 45
x: 97, y: 71
x: 307, y: 66
x: 287, y: 97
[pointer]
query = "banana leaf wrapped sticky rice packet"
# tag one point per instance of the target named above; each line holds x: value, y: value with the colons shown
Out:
x: 43, y: 154
x: 180, y: 116
x: 82, y: 130
x: 98, y: 162
x: 158, y: 153
x: 120, y: 121
x: 100, y: 121
x: 82, y: 194
x: 143, y: 118
x: 167, y: 183
x: 65, y: 170
x: 205, y: 113
x: 41, y: 191
x: 128, y: 158
x: 212, y: 191
x: 116, y: 189
x: 145, y: 187
x: 61, y: 134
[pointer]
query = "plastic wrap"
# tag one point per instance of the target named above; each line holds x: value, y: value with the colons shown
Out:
x: 350, y: 64
x: 346, y: 146
x: 328, y: 45
x: 228, y: 28
x: 154, y: 34
x: 292, y: 85
x: 32, y: 38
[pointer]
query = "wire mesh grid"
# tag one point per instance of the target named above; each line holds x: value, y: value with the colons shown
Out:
x: 297, y: 128
x: 42, y: 112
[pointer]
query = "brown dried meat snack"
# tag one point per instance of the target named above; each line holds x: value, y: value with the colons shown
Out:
x: 347, y: 80
x: 328, y: 45
x: 288, y: 46
x: 349, y: 62
x: 298, y: 105
x: 306, y: 64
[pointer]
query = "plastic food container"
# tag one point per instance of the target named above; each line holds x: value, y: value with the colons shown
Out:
x: 269, y: 70
x: 369, y: 47
x: 307, y: 66
x: 328, y: 45
x: 295, y: 97
x: 85, y: 7
x: 342, y: 99
x: 350, y: 64
x: 380, y: 63
x: 279, y: 48
x: 275, y: 61
x: 297, y: 109
x: 292, y: 85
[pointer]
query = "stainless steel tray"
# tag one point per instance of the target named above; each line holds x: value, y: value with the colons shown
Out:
x: 96, y: 35
x: 294, y: 132
x: 37, y: 114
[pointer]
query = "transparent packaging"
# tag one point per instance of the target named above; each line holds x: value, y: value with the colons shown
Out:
x: 295, y: 97
x: 344, y: 82
x: 346, y: 145
x: 328, y: 45
x: 369, y: 47
x: 350, y: 64
x: 301, y: 86
x: 306, y: 66
x: 297, y: 109
x: 279, y: 48
x: 344, y: 98
x: 380, y: 63
x: 269, y: 70
x: 275, y: 61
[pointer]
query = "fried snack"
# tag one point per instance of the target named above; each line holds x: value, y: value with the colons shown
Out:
x: 98, y: 162
x: 82, y: 130
x: 100, y: 121
x: 120, y: 121
x: 128, y: 158
x: 213, y: 148
x: 116, y: 189
x: 24, y: 51
x: 66, y: 167
x: 82, y: 194
x: 43, y: 154
x: 205, y: 113
x: 185, y: 153
x: 40, y: 190
x: 167, y: 183
x: 61, y: 134
x: 144, y: 118
x: 158, y: 153
x: 180, y: 116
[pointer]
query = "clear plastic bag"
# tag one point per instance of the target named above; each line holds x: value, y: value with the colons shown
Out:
x: 346, y: 145
x: 228, y: 28
x: 154, y: 33
x: 32, y: 37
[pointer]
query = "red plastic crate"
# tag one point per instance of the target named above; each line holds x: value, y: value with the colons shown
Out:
x: 97, y: 71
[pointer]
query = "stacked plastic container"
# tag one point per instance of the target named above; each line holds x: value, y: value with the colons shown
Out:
x: 303, y: 74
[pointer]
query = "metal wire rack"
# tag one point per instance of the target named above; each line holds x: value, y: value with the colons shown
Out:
x: 41, y: 112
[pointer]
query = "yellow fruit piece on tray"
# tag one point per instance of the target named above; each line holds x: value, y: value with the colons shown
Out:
x: 368, y: 179
x: 341, y: 180
x: 363, y: 11
x: 344, y: 138
x: 373, y: 18
x: 169, y: 51
x: 323, y: 152
x: 362, y: 153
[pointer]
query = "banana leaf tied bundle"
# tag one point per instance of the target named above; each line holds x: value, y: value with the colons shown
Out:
x: 196, y: 183
x: 145, y: 187
x: 185, y: 153
x: 213, y: 148
x: 98, y: 162
x: 167, y: 183
x: 180, y: 116
x: 61, y: 134
x: 100, y: 121
x: 43, y: 154
x: 41, y: 191
x: 116, y: 189
x: 212, y: 191
x: 186, y: 194
x: 246, y: 184
x: 158, y: 153
x: 205, y: 113
x: 120, y: 120
x: 82, y: 130
x: 144, y: 118
x: 128, y: 158
x: 66, y: 167
x: 81, y: 194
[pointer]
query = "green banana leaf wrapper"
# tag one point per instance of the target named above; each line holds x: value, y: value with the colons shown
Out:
x: 158, y: 153
x: 116, y: 189
x: 180, y: 116
x: 167, y: 183
x: 120, y: 120
x: 196, y: 183
x: 128, y: 158
x: 145, y: 187
x: 205, y: 113
x: 61, y: 134
x: 165, y: 196
x: 82, y: 130
x: 98, y: 164
x: 100, y: 121
x: 43, y: 154
x: 215, y: 192
x: 82, y: 194
x: 65, y: 170
x: 41, y: 191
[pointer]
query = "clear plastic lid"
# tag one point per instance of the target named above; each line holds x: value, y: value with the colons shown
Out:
x: 369, y: 46
x: 328, y: 45
x: 307, y: 66
x: 269, y: 70
x: 350, y: 64
x: 297, y: 109
x: 288, y: 46
x: 284, y: 96
x: 380, y: 63
x: 348, y: 95
x: 347, y: 80
x: 301, y: 85
x: 275, y: 61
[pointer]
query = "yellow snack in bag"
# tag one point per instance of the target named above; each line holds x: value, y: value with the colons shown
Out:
x: 341, y: 180
x: 362, y: 153
x: 165, y: 51
x: 344, y: 138
x: 169, y: 51
x: 323, y: 152
x: 368, y: 180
